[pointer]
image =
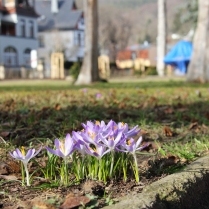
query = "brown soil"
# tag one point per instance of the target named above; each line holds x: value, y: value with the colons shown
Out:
x: 15, y: 196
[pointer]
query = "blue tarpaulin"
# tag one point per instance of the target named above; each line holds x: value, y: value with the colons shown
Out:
x: 179, y: 56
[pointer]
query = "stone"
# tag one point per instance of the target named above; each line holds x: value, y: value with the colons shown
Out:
x: 185, y: 189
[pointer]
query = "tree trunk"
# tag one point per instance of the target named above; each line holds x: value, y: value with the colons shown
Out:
x: 198, y: 69
x: 89, y: 70
x: 161, y: 39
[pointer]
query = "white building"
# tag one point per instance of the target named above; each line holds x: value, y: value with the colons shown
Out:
x: 18, y: 32
x: 60, y: 29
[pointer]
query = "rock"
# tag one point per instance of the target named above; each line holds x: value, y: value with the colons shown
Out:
x: 185, y: 189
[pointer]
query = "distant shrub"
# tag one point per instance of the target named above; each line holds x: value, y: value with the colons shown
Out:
x: 75, y: 70
x: 151, y: 71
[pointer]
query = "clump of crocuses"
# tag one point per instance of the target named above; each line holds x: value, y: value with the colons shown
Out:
x: 99, y: 151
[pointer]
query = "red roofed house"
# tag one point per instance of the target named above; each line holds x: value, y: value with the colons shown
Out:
x: 137, y: 59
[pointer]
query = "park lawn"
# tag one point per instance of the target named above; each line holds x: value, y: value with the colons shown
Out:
x: 173, y: 117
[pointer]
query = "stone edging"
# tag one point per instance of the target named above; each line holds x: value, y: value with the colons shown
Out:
x: 188, y: 189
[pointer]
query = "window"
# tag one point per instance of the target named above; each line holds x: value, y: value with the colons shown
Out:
x: 7, y: 29
x: 31, y: 29
x: 10, y: 56
x: 22, y: 28
x: 27, y: 57
x: 79, y: 39
x: 41, y: 41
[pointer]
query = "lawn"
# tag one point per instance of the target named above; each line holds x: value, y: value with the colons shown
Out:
x: 173, y: 118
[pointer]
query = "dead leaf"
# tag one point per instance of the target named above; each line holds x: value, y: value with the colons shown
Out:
x: 193, y: 126
x: 168, y: 110
x: 14, y: 166
x: 10, y: 177
x: 57, y: 106
x: 143, y: 132
x: 4, y: 133
x: 88, y: 186
x: 122, y: 105
x: 41, y: 205
x: 182, y: 109
x: 74, y: 201
x: 167, y: 131
x: 35, y: 203
x: 4, y: 168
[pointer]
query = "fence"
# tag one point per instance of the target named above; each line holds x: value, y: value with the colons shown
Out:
x: 19, y: 73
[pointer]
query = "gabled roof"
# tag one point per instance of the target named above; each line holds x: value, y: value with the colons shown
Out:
x: 66, y: 18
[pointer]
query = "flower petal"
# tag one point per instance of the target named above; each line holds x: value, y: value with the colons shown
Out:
x: 133, y: 132
x: 30, y: 154
x: 19, y: 153
x: 69, y: 145
x: 57, y: 143
x: 54, y: 152
x: 139, y: 141
x: 119, y: 139
x: 37, y: 151
x: 77, y: 136
x: 16, y: 156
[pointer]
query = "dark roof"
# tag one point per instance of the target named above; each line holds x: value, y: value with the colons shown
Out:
x: 28, y: 11
x: 66, y: 18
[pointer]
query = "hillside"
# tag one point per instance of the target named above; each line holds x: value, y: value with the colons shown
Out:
x: 139, y: 16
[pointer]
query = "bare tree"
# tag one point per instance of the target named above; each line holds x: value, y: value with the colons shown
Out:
x: 115, y: 34
x: 161, y: 39
x: 89, y: 70
x: 199, y: 68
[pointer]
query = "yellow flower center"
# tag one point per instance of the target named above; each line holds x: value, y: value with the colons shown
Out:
x: 92, y: 135
x: 128, y: 142
x: 97, y: 123
x: 23, y: 150
x: 62, y: 147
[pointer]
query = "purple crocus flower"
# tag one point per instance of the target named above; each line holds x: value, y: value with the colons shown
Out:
x: 132, y: 132
x: 131, y: 146
x: 63, y: 149
x: 97, y: 151
x: 96, y: 126
x: 84, y: 90
x: 80, y: 143
x: 113, y: 140
x: 20, y: 155
x: 91, y: 132
x: 98, y: 96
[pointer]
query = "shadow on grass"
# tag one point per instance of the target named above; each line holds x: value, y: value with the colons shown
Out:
x: 20, y: 126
